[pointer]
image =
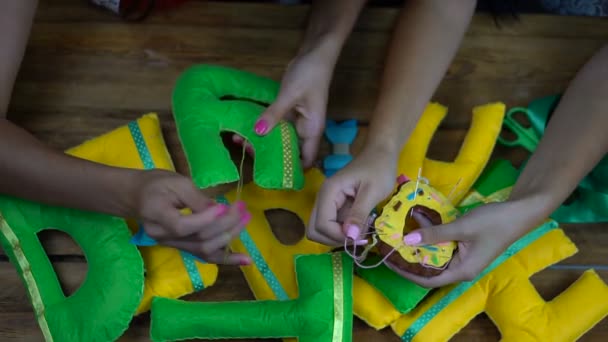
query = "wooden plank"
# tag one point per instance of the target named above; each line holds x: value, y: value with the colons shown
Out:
x: 265, y: 15
x: 135, y: 66
x: 17, y: 321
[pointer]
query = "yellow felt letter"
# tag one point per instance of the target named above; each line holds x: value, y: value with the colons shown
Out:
x: 512, y: 302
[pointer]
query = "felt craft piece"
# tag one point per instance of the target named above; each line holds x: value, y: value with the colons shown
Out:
x: 341, y: 136
x: 322, y: 312
x: 453, y: 179
x: 272, y: 274
x: 140, y: 145
x: 103, y: 306
x: 401, y: 293
x: 589, y: 201
x: 210, y: 100
x: 503, y: 290
x: 415, y: 205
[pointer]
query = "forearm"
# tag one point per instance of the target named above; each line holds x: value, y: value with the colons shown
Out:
x: 16, y: 18
x: 28, y: 168
x: 329, y: 25
x: 423, y: 45
x: 575, y: 140
x: 36, y: 172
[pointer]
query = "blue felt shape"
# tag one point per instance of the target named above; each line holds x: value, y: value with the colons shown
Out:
x: 335, y: 162
x: 344, y: 132
x: 141, y: 238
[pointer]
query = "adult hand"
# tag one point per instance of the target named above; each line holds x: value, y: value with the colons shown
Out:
x: 302, y: 99
x: 346, y: 200
x: 482, y: 235
x: 161, y: 195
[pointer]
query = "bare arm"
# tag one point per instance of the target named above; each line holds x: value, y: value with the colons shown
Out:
x: 329, y: 26
x: 424, y: 43
x: 28, y: 168
x: 575, y: 140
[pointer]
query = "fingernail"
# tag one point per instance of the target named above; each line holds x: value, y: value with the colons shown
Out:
x: 244, y: 262
x: 412, y: 239
x: 361, y: 242
x: 352, y: 231
x: 220, y: 210
x: 245, y: 218
x: 261, y: 127
x: 249, y: 149
x: 241, y: 207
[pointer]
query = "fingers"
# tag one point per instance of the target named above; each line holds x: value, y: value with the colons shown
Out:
x: 174, y: 225
x: 191, y: 196
x: 436, y: 234
x: 309, y: 150
x: 273, y: 114
x: 363, y: 204
x: 212, y: 245
x: 324, y: 227
x: 239, y: 140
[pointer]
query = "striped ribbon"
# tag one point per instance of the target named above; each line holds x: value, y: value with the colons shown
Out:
x: 458, y: 290
x: 259, y: 261
x: 148, y: 162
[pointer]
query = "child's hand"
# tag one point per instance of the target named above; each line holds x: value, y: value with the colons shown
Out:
x: 482, y: 235
x: 160, y: 195
x: 302, y: 99
x: 365, y: 181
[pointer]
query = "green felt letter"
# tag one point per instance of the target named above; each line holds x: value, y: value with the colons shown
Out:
x: 322, y: 313
x: 209, y: 100
x: 103, y: 306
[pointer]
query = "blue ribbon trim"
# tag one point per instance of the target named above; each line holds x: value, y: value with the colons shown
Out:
x: 260, y: 262
x: 143, y: 239
x: 140, y: 144
x: 339, y: 133
x: 451, y: 296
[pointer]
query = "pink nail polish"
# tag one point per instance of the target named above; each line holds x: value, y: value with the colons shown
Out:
x: 220, y: 210
x: 245, y: 218
x: 402, y: 179
x: 352, y: 231
x: 412, y: 239
x: 249, y: 149
x: 244, y: 262
x: 261, y: 127
x: 241, y: 207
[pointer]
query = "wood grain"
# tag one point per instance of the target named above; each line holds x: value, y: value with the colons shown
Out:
x: 87, y: 72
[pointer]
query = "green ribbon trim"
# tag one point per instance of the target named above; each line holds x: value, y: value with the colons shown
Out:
x: 461, y: 288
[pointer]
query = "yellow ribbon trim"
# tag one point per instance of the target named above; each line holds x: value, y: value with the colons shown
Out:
x: 476, y: 197
x: 287, y: 156
x: 336, y: 259
x: 28, y: 276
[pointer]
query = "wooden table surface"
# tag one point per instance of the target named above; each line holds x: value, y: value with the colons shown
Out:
x: 86, y: 72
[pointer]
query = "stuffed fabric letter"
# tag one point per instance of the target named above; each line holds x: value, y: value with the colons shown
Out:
x: 272, y: 274
x: 140, y: 145
x: 210, y: 100
x: 101, y: 309
x: 321, y: 313
x: 504, y: 290
x: 453, y: 179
